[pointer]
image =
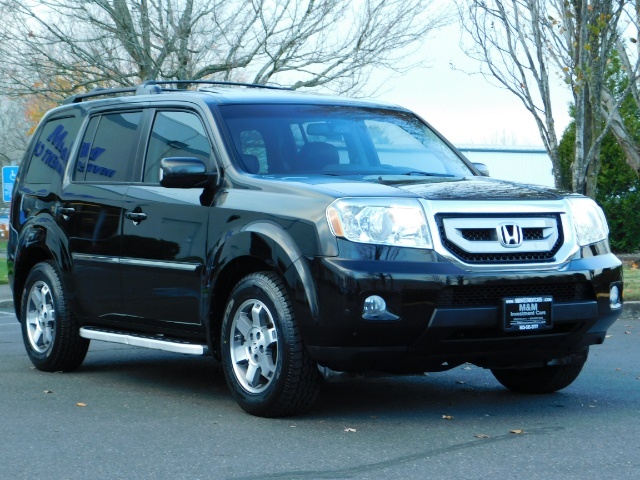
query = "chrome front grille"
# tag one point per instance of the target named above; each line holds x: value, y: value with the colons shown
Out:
x: 531, y: 238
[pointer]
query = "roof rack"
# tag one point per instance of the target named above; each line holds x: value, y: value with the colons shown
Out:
x: 97, y: 92
x: 211, y: 82
x: 151, y: 87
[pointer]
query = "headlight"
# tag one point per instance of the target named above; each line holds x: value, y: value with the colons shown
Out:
x: 384, y: 221
x: 589, y: 221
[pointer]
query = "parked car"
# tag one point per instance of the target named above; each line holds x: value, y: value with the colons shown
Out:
x: 4, y: 223
x: 290, y: 234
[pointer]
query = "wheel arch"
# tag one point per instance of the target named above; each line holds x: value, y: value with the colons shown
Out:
x: 259, y: 247
x: 36, y: 244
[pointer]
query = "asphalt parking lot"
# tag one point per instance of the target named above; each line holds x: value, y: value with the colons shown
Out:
x: 133, y: 413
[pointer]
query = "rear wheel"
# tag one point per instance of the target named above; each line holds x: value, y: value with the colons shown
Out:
x: 265, y: 363
x: 49, y: 332
x: 541, y: 379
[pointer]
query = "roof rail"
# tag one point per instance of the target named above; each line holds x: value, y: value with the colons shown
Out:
x: 186, y: 84
x: 151, y: 87
x: 97, y: 92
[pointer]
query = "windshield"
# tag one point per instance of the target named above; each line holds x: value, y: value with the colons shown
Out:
x: 337, y: 140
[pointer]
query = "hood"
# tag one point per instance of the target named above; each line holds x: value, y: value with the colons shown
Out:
x: 478, y: 188
x: 431, y: 188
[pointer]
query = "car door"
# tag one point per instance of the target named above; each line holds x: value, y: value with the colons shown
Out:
x: 165, y: 230
x: 90, y: 210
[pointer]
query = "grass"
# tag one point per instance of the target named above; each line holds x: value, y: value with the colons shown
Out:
x: 631, y: 283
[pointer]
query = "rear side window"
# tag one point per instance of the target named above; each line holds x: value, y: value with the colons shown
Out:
x: 108, y: 148
x: 175, y: 134
x: 51, y: 150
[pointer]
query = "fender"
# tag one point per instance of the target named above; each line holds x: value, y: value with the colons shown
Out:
x: 271, y: 244
x: 43, y: 235
x: 284, y: 245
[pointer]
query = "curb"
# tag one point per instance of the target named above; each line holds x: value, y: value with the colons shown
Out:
x: 632, y: 307
x: 6, y: 304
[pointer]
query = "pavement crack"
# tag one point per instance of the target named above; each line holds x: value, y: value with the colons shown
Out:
x: 349, y: 472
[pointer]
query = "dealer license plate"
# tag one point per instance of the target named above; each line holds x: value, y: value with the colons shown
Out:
x: 527, y: 313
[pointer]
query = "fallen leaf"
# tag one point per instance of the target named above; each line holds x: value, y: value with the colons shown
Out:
x: 349, y: 429
x: 48, y: 391
x: 517, y: 432
x: 80, y: 404
x: 447, y: 417
x: 627, y: 333
x: 292, y: 426
x: 460, y: 382
x: 482, y: 435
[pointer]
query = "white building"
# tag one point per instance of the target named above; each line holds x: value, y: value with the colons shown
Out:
x: 516, y: 164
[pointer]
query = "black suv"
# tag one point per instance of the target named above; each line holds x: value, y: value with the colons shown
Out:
x: 290, y: 235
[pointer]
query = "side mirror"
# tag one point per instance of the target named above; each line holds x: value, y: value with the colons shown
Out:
x: 185, y: 172
x: 482, y: 168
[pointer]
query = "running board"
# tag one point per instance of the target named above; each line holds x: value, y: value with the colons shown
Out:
x: 145, y: 341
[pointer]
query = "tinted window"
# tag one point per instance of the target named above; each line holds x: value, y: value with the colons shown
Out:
x: 51, y: 150
x: 399, y: 148
x: 339, y: 140
x: 108, y: 148
x: 175, y: 134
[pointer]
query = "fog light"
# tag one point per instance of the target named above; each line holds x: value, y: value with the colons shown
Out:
x: 375, y: 308
x: 374, y: 305
x: 615, y: 298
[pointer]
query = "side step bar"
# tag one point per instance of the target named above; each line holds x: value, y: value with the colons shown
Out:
x: 147, y: 341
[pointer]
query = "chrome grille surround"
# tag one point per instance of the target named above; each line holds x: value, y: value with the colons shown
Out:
x: 516, y: 239
x: 455, y: 227
x: 467, y: 233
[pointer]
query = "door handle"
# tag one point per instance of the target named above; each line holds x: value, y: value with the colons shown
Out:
x: 66, y: 210
x: 136, y: 217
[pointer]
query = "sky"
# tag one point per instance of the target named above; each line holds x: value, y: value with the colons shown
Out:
x: 464, y: 107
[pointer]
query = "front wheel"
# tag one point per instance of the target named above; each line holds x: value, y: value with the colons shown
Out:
x: 49, y: 332
x: 266, y: 366
x: 541, y: 379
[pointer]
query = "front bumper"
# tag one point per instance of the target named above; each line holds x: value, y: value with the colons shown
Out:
x: 444, y: 316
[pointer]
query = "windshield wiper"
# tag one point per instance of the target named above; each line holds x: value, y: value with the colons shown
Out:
x: 427, y: 174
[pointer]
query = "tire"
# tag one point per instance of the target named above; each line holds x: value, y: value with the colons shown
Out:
x: 540, y: 379
x: 267, y: 368
x: 49, y: 332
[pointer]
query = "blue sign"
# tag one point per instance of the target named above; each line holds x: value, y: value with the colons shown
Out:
x: 9, y: 175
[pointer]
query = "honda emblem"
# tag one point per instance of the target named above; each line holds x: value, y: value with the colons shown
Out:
x: 510, y: 235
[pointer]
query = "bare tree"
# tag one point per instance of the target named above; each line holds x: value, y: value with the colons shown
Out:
x: 525, y: 43
x: 628, y: 49
x: 60, y: 46
x: 13, y: 130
